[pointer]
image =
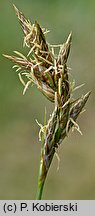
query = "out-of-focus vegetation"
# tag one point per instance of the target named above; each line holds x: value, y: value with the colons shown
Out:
x: 19, y: 145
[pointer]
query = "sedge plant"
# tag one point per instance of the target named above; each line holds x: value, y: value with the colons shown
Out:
x: 50, y: 73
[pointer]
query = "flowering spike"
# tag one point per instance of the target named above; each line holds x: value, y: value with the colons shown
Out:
x: 78, y: 106
x: 64, y: 51
x: 24, y: 63
x: 25, y: 24
x: 49, y: 73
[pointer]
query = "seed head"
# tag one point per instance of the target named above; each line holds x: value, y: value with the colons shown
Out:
x: 49, y: 72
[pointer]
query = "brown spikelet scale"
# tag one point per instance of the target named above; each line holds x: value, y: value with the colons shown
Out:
x: 25, y: 24
x: 50, y: 73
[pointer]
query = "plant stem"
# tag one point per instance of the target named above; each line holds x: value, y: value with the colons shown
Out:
x: 41, y: 177
x: 40, y: 189
x: 43, y: 173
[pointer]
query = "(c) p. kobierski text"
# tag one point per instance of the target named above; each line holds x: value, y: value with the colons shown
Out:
x: 37, y: 206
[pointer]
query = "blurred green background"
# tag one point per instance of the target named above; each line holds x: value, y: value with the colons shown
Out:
x: 19, y: 144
